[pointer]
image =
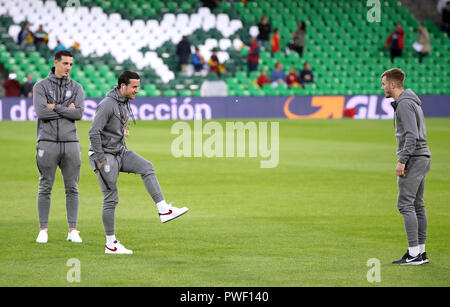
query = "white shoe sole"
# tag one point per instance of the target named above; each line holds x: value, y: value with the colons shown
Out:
x: 412, y: 263
x: 107, y: 251
x: 167, y: 218
x: 69, y: 240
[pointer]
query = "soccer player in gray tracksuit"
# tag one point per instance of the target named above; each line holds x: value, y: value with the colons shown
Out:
x: 58, y: 102
x: 414, y: 159
x: 109, y: 155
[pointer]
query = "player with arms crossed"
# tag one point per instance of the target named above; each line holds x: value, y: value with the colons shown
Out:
x: 413, y: 163
x: 109, y: 155
x: 58, y: 102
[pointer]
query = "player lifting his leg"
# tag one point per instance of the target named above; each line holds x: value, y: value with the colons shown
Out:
x: 109, y: 155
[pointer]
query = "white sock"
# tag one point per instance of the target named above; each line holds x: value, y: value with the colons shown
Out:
x: 162, y: 206
x: 421, y: 248
x: 110, y: 240
x: 413, y: 251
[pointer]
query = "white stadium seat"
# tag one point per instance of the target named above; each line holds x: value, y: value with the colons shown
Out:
x: 254, y: 31
x: 100, y: 33
x: 225, y: 43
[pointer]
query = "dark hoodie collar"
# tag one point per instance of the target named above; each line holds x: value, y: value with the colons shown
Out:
x: 53, y: 78
x: 407, y: 94
x: 115, y: 94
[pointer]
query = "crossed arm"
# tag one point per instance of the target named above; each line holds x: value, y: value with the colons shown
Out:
x: 47, y: 110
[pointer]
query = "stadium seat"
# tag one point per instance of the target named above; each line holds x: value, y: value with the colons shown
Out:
x: 141, y: 31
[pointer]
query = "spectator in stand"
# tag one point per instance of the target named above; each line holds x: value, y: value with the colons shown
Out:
x: 264, y: 29
x: 298, y: 39
x: 211, y: 4
x: 75, y: 48
x: 25, y: 36
x: 306, y: 75
x: 262, y: 79
x: 214, y: 63
x: 423, y: 40
x: 278, y: 76
x: 292, y: 79
x: 445, y: 17
x: 198, y: 61
x: 440, y: 6
x: 275, y: 42
x: 40, y: 37
x: 395, y: 42
x: 27, y: 88
x: 12, y: 85
x: 184, y: 53
x: 60, y: 46
x: 253, y: 55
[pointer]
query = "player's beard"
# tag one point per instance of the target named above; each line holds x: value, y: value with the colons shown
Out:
x: 129, y: 95
x: 387, y: 94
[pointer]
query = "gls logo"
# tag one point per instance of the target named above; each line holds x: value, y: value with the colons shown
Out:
x: 374, y: 14
x: 367, y: 107
x: 371, y: 107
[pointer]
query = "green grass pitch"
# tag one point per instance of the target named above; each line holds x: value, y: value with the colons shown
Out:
x: 315, y: 220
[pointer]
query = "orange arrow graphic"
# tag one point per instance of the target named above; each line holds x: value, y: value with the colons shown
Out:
x: 331, y: 106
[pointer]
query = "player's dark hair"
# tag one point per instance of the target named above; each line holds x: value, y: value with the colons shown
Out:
x: 62, y: 53
x: 126, y: 76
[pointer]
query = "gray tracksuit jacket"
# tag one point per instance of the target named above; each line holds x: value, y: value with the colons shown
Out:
x: 107, y: 133
x: 58, y: 125
x: 410, y: 127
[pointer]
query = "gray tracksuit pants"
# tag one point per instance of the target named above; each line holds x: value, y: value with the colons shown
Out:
x: 126, y: 161
x: 410, y: 202
x: 67, y: 156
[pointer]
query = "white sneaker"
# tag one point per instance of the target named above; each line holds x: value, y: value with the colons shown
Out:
x: 170, y: 212
x: 42, y: 237
x: 74, y: 236
x: 117, y: 249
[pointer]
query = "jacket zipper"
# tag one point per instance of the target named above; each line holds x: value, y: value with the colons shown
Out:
x: 57, y: 121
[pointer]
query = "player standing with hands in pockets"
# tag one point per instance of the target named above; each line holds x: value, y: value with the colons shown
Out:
x: 109, y: 155
x: 413, y: 164
x: 58, y: 102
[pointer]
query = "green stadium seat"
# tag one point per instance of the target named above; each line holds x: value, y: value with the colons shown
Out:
x: 170, y: 93
x: 172, y: 6
x: 333, y: 47
x: 185, y: 93
x: 153, y: 92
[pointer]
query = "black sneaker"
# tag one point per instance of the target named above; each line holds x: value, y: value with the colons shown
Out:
x: 425, y: 257
x: 409, y: 260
